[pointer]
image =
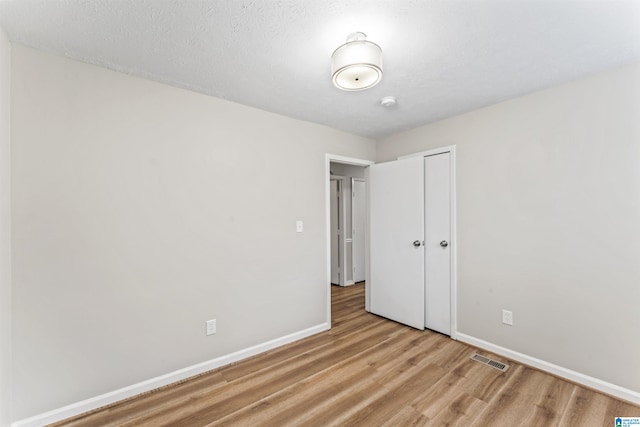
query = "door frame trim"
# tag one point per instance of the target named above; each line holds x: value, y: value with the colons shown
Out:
x: 328, y: 158
x: 453, y: 218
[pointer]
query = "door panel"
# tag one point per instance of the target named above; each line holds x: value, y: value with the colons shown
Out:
x: 335, y: 231
x: 396, y: 202
x: 437, y: 242
x: 358, y: 208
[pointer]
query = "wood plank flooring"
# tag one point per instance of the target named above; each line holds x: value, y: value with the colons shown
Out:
x: 366, y: 371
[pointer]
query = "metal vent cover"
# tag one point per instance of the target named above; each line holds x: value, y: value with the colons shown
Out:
x: 490, y: 362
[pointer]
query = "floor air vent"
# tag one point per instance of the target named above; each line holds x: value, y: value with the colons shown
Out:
x: 493, y: 363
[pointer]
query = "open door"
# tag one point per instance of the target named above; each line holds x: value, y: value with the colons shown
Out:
x: 396, y: 203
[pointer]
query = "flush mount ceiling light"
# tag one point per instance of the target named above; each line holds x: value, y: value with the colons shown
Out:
x: 357, y: 64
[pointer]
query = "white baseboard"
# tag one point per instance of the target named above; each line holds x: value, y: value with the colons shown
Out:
x: 153, y: 383
x: 577, y: 377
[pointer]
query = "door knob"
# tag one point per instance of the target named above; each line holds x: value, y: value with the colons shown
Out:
x: 444, y: 244
x: 416, y: 243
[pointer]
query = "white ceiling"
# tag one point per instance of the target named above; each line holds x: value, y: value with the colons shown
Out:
x: 441, y: 58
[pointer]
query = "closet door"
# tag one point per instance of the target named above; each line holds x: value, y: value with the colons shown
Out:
x: 437, y: 220
x: 396, y: 203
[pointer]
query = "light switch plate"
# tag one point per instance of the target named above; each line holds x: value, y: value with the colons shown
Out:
x: 507, y: 317
x: 211, y: 327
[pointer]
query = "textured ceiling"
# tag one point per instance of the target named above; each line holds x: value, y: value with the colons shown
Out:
x: 441, y: 58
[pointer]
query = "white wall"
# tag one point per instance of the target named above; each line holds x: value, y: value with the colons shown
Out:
x: 549, y: 222
x: 142, y: 210
x: 5, y: 231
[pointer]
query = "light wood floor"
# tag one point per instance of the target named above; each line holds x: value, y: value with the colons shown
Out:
x: 366, y: 371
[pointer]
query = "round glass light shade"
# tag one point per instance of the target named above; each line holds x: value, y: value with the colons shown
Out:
x: 356, y: 65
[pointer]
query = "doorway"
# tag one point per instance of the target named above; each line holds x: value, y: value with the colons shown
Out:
x: 345, y: 170
x: 348, y: 213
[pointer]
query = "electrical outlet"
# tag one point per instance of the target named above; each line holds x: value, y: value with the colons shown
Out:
x: 211, y: 327
x: 507, y: 317
x: 299, y: 226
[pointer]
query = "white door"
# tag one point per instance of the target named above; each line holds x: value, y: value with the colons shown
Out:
x: 335, y: 231
x: 358, y: 210
x: 437, y: 242
x: 396, y: 200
